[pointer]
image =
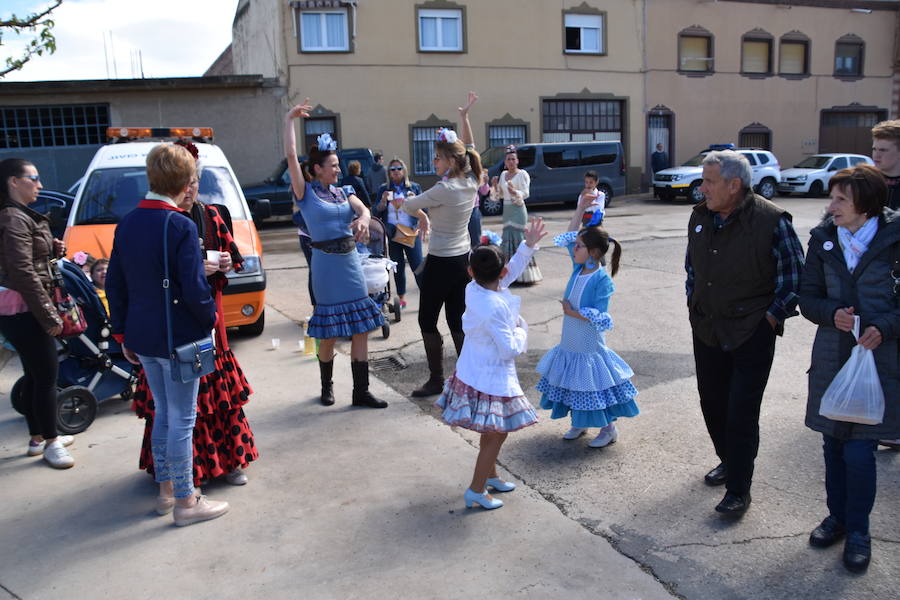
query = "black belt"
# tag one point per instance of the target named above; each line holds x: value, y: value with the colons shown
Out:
x: 341, y: 245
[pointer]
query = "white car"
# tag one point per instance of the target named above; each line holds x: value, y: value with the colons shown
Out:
x: 686, y: 179
x: 812, y: 174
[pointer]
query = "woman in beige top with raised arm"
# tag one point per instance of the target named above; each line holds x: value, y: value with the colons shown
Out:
x: 445, y: 276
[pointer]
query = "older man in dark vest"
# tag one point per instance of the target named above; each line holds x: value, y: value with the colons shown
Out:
x: 743, y: 270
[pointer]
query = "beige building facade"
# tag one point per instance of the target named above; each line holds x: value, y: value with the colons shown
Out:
x: 385, y: 74
x: 794, y: 76
x: 797, y: 77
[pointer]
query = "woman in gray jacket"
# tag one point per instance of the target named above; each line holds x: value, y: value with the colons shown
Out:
x: 853, y: 269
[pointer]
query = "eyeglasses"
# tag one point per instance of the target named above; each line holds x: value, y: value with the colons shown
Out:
x: 34, y: 178
x: 396, y: 168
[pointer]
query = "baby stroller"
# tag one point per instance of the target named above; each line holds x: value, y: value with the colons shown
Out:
x: 377, y: 269
x: 92, y: 368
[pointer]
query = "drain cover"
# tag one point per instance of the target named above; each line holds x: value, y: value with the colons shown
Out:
x: 387, y: 363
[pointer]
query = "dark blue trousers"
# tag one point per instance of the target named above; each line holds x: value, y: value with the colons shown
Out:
x: 850, y: 478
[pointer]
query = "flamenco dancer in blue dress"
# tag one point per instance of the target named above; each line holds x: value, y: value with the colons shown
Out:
x: 581, y: 375
x: 343, y: 306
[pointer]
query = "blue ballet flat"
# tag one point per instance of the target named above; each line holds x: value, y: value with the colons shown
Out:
x: 483, y: 499
x: 501, y: 486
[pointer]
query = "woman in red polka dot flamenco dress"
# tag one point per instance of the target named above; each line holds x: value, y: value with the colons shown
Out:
x: 223, y: 440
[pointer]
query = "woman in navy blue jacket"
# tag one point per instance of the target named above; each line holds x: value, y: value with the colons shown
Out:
x: 137, y: 313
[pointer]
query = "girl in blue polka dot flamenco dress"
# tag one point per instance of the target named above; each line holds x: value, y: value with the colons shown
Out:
x: 581, y: 376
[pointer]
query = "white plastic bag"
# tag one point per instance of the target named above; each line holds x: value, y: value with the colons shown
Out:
x: 855, y: 394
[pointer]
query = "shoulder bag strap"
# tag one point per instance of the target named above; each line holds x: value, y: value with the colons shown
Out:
x: 165, y: 282
x: 895, y: 270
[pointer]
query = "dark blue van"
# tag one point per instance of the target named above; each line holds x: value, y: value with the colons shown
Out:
x: 557, y: 170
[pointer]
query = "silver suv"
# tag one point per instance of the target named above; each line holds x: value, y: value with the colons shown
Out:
x: 686, y: 179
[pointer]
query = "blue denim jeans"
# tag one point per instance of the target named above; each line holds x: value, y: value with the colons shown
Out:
x: 173, y: 426
x: 850, y: 478
x: 475, y: 227
x: 401, y: 254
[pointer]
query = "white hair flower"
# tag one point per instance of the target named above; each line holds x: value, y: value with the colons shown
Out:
x: 447, y: 135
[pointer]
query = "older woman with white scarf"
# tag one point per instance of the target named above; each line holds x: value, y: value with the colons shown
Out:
x: 853, y: 270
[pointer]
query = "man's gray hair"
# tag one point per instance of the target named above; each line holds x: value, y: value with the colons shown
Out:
x: 732, y: 165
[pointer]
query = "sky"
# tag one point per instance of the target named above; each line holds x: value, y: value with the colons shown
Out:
x: 176, y: 38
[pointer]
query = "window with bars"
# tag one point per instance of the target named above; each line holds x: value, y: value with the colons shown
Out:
x: 504, y: 135
x: 864, y: 119
x: 60, y: 125
x: 755, y: 135
x: 313, y: 128
x: 423, y: 150
x: 582, y: 120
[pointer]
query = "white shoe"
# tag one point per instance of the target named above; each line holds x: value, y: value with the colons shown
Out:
x: 202, y: 510
x: 38, y: 449
x: 608, y: 435
x: 57, y: 455
x: 236, y: 477
x: 574, y: 433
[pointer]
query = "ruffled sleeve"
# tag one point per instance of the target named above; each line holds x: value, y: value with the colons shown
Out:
x: 565, y: 239
x: 602, y: 321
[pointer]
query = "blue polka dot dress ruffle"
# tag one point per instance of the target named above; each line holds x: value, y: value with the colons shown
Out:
x: 584, y: 378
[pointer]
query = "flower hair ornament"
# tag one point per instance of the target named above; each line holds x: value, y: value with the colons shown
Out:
x: 446, y: 135
x: 490, y: 238
x: 511, y: 149
x: 190, y: 147
x: 325, y: 143
x: 80, y: 258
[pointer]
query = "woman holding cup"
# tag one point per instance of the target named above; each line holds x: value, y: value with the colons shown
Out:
x: 223, y: 439
x: 407, y: 246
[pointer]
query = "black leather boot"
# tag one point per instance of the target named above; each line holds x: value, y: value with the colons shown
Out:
x: 434, y: 353
x: 325, y: 370
x: 361, y: 394
x: 458, y: 339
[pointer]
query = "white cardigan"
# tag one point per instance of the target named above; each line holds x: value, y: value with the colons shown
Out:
x: 495, y: 333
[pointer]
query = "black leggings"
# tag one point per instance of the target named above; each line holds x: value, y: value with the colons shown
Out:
x: 37, y: 351
x: 443, y: 283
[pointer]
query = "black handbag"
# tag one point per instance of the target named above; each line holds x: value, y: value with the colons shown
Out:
x: 194, y: 359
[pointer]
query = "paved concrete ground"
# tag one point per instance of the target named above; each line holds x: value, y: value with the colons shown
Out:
x: 645, y: 494
x: 343, y: 503
x: 346, y: 502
